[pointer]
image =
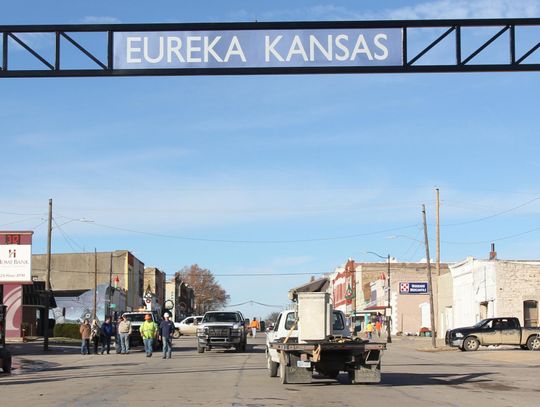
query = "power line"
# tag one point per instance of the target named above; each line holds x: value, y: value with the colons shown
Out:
x: 23, y: 214
x: 496, y: 239
x: 67, y: 238
x: 215, y: 275
x: 495, y: 214
x: 251, y: 302
x: 19, y: 221
x: 318, y: 239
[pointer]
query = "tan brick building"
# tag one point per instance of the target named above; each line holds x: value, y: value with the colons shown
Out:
x: 495, y: 288
x: 361, y: 289
x: 76, y: 271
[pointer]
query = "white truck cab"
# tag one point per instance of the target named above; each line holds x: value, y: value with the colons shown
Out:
x: 287, y: 320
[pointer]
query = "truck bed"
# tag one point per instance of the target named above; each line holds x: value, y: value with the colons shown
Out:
x: 329, y: 345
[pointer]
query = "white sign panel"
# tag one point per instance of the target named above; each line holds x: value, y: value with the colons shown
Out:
x: 15, y: 257
x: 288, y: 48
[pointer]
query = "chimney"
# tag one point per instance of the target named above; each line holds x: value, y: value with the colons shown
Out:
x: 493, y: 253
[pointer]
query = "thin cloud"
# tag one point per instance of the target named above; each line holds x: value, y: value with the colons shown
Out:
x: 439, y: 9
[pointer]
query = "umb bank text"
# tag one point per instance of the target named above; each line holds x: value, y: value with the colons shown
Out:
x: 258, y: 48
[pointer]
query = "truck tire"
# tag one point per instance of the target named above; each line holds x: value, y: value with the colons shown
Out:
x: 200, y: 349
x: 272, y: 366
x: 533, y: 343
x: 350, y: 376
x: 471, y: 344
x: 176, y: 334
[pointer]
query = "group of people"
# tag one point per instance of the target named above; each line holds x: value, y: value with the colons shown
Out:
x: 374, y: 327
x: 93, y: 335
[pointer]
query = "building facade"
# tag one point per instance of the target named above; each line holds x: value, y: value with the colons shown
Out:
x: 495, y: 288
x: 77, y: 271
x: 179, y: 298
x: 154, y: 282
x: 361, y: 290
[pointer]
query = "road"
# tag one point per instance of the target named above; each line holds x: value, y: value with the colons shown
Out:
x: 411, y: 377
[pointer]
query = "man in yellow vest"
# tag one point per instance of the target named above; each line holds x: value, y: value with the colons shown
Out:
x: 148, y: 330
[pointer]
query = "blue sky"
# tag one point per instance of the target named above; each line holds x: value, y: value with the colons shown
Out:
x: 272, y: 175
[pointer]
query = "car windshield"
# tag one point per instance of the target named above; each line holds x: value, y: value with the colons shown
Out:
x: 135, y: 317
x: 221, y: 317
x: 480, y: 324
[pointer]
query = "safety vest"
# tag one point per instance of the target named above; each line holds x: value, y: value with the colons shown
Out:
x: 148, y: 329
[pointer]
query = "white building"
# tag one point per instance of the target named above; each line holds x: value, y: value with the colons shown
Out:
x: 495, y: 288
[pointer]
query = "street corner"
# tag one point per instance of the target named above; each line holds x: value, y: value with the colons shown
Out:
x: 507, y: 354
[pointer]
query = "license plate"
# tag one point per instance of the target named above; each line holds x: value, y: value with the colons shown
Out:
x: 301, y: 363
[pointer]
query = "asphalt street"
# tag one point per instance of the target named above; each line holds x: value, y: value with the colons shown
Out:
x: 413, y: 375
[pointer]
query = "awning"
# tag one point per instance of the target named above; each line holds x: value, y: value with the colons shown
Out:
x: 34, y: 295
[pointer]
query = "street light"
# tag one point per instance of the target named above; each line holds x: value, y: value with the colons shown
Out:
x: 389, y: 317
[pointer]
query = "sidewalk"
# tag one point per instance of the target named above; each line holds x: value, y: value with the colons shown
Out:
x: 30, y: 356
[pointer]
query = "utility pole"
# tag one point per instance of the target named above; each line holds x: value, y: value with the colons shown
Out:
x: 438, y: 243
x: 95, y: 283
x: 45, y: 323
x: 110, y: 286
x: 430, y: 281
x: 389, y: 317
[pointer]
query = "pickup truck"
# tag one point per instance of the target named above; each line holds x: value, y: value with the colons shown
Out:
x: 295, y: 359
x: 494, y: 331
x: 137, y: 318
x: 188, y: 326
x: 222, y: 329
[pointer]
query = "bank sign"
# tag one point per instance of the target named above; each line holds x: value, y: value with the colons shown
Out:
x: 293, y: 48
x: 15, y: 257
x: 413, y: 288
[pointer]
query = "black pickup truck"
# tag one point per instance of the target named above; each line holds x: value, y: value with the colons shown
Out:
x: 494, y: 331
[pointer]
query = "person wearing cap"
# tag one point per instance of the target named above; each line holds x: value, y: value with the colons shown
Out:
x: 166, y: 330
x: 148, y: 330
x: 124, y: 331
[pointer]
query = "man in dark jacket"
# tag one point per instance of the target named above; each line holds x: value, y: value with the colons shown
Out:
x: 106, y: 335
x: 166, y: 330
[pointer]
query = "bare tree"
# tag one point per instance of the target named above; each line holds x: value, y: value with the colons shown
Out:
x: 209, y: 295
x: 272, y: 317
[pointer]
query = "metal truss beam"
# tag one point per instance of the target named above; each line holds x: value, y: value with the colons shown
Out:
x: 14, y: 34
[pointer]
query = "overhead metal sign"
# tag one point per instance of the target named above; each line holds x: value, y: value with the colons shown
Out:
x: 258, y: 48
x: 269, y: 48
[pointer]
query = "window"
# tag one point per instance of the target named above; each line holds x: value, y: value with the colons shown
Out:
x: 337, y: 322
x: 221, y: 317
x: 530, y: 313
x: 290, y: 321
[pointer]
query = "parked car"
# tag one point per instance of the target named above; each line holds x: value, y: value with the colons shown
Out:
x: 188, y: 326
x: 494, y: 331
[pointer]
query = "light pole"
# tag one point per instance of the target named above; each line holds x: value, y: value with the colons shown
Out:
x: 388, y: 317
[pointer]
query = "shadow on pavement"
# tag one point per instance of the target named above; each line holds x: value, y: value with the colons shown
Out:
x: 420, y: 379
x: 13, y: 380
